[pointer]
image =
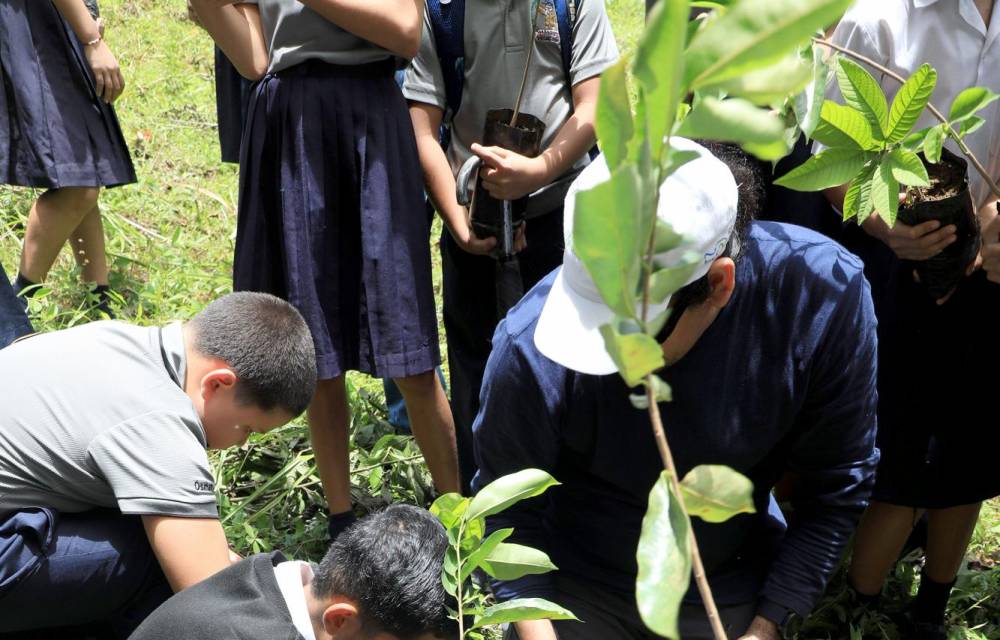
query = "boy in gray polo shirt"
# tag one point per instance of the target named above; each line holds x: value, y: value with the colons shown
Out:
x: 103, y: 436
x: 497, y: 36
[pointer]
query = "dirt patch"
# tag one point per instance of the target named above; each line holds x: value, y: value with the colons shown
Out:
x: 947, y: 180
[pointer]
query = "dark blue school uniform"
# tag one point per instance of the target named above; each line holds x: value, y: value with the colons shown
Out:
x: 13, y: 321
x: 54, y: 130
x: 232, y: 96
x: 782, y: 381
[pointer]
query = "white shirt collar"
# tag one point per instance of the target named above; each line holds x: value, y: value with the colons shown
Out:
x: 291, y: 577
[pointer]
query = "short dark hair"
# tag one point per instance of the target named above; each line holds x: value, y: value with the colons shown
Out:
x: 268, y: 345
x: 752, y: 190
x: 389, y: 563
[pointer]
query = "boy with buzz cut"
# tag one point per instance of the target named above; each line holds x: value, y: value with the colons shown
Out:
x: 472, y: 59
x: 107, y: 499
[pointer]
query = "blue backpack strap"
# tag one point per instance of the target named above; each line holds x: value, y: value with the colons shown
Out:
x: 448, y: 24
x: 566, y: 18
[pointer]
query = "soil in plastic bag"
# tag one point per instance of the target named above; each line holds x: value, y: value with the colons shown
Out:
x: 947, y: 199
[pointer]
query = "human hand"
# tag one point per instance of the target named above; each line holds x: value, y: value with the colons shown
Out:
x: 107, y: 75
x: 990, y: 252
x: 919, y: 242
x: 467, y: 239
x: 761, y: 629
x: 508, y: 175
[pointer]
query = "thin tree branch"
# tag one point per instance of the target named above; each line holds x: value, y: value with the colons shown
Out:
x: 934, y: 110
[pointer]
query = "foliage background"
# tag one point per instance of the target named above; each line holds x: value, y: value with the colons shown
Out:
x: 170, y: 242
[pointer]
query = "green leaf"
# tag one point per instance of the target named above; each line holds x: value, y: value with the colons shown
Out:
x: 664, y: 558
x: 768, y: 85
x: 909, y: 103
x: 807, y: 103
x: 862, y: 92
x: 659, y: 67
x: 885, y: 192
x: 716, y: 493
x: 933, y: 143
x: 754, y: 34
x: 522, y: 610
x: 449, y: 509
x: 828, y: 168
x: 635, y: 354
x: 661, y: 391
x: 513, y: 561
x: 733, y: 120
x: 508, y: 490
x: 474, y: 559
x: 449, y: 570
x: 664, y: 282
x: 970, y: 124
x: 613, y: 120
x: 858, y: 201
x: 970, y: 101
x: 606, y: 237
x: 907, y: 168
x: 842, y: 126
x: 674, y: 160
x: 770, y: 151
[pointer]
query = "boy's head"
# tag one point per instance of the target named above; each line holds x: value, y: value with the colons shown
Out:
x: 381, y: 580
x: 251, y: 366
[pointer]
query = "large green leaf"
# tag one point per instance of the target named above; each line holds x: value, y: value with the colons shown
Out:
x: 449, y: 509
x: 716, y: 493
x: 809, y: 101
x: 664, y: 557
x: 843, y: 126
x: 665, y: 281
x: 828, y: 168
x: 521, y: 610
x: 907, y: 167
x: 768, y: 85
x: 476, y: 558
x: 734, y: 120
x: 659, y: 67
x: 970, y: 124
x: 858, y: 201
x: 512, y: 561
x: 970, y: 101
x: 613, y: 120
x: 934, y: 142
x: 754, y: 34
x: 508, y: 490
x: 635, y: 354
x: 862, y: 92
x: 661, y: 393
x: 885, y: 192
x: 606, y: 237
x: 909, y: 103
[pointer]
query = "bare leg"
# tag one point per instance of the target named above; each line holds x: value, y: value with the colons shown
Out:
x: 948, y: 534
x: 433, y: 427
x: 329, y: 419
x: 53, y: 218
x: 879, y: 540
x: 87, y: 242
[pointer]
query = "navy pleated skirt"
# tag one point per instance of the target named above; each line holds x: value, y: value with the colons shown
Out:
x: 54, y: 131
x: 332, y: 219
x: 232, y: 95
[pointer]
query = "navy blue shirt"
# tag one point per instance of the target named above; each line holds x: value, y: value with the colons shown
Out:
x: 782, y: 381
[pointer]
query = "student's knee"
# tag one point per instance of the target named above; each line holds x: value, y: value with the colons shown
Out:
x: 78, y: 201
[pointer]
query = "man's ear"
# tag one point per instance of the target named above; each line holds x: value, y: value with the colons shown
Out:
x: 217, y: 380
x: 341, y: 619
x: 721, y: 282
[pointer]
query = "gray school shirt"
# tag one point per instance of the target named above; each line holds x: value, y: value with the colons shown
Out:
x: 496, y: 35
x: 96, y: 416
x: 295, y: 33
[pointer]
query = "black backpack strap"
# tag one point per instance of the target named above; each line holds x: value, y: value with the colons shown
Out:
x: 448, y: 24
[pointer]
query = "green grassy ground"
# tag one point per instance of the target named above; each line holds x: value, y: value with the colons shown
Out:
x: 171, y: 242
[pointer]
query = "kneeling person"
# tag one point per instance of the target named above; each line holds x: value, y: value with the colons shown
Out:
x: 107, y: 498
x: 380, y: 580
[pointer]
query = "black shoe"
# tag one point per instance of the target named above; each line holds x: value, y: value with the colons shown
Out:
x: 929, y: 631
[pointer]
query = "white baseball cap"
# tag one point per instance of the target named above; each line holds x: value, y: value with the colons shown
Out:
x: 698, y: 201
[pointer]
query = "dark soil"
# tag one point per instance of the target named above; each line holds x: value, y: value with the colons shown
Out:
x: 947, y: 180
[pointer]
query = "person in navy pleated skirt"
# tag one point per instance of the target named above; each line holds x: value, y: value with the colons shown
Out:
x: 331, y: 212
x: 59, y: 132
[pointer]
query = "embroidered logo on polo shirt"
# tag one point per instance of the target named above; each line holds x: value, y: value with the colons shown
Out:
x: 548, y: 25
x: 201, y: 485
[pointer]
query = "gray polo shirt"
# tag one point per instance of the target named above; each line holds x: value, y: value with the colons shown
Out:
x: 295, y: 33
x: 96, y: 416
x: 497, y: 33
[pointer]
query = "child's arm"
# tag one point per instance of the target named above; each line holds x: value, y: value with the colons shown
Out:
x: 509, y: 175
x: 188, y: 549
x: 391, y: 24
x: 236, y: 29
x: 108, y: 77
x: 439, y: 180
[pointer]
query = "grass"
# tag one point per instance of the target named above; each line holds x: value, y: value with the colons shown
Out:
x: 170, y: 239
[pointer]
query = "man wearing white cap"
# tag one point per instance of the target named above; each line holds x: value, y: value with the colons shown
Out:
x: 771, y: 357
